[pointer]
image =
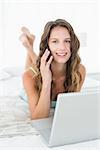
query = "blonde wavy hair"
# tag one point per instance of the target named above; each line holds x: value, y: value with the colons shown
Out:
x: 73, y: 76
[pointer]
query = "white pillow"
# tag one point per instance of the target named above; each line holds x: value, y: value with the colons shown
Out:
x: 90, y: 83
x: 4, y: 75
x: 14, y: 71
x: 11, y: 87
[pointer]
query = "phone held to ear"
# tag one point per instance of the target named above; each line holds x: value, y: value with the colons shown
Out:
x: 49, y: 54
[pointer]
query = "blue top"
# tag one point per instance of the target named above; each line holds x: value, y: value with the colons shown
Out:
x: 24, y: 97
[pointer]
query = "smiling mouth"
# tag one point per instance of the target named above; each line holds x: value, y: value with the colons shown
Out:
x: 61, y: 54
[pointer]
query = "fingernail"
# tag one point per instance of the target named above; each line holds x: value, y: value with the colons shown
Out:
x: 46, y: 50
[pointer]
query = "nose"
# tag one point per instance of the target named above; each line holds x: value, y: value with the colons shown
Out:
x: 61, y: 46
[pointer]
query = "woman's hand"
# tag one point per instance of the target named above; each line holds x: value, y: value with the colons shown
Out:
x: 27, y: 38
x: 45, y: 68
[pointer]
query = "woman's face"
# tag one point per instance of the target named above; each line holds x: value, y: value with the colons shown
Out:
x: 59, y: 44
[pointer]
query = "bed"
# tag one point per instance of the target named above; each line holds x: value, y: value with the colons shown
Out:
x: 15, y: 124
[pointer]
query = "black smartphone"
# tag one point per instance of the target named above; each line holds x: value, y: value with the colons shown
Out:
x: 49, y: 54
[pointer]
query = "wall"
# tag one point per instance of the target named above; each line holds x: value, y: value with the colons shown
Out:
x: 82, y: 14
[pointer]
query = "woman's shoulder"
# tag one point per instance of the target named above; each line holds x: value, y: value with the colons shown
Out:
x: 31, y: 72
x: 29, y: 80
x: 27, y: 74
x: 82, y: 69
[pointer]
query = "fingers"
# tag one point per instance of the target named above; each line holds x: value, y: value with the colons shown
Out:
x: 45, y: 56
x: 49, y: 61
x: 44, y: 61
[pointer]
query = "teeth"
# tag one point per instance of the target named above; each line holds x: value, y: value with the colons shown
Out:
x: 61, y: 54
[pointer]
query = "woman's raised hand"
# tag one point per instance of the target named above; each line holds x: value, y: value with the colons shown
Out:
x: 27, y: 38
x: 45, y: 68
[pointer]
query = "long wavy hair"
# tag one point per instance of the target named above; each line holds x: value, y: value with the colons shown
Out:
x: 73, y: 76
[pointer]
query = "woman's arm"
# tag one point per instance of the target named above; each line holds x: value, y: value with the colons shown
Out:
x: 39, y: 104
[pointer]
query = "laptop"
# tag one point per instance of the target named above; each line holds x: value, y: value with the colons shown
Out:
x: 76, y: 119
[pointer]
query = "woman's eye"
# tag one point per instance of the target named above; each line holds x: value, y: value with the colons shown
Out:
x: 67, y: 41
x: 54, y: 41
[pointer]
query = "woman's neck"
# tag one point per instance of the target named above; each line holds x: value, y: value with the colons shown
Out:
x: 58, y: 70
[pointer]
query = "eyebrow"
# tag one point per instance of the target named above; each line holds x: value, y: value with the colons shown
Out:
x: 57, y: 38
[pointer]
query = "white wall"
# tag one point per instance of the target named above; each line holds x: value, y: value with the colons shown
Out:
x: 82, y: 14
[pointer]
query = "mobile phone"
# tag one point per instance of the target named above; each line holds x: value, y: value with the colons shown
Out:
x: 49, y: 54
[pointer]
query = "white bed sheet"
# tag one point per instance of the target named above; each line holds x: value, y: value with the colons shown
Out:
x: 36, y: 143
x: 15, y: 124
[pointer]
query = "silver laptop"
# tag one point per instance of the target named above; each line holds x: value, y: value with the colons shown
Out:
x: 76, y: 119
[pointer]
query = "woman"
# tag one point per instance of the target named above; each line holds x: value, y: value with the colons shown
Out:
x: 56, y: 70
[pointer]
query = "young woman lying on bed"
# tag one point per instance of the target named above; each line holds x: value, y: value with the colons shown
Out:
x: 57, y: 68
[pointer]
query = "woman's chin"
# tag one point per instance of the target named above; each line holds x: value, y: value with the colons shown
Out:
x: 61, y: 59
